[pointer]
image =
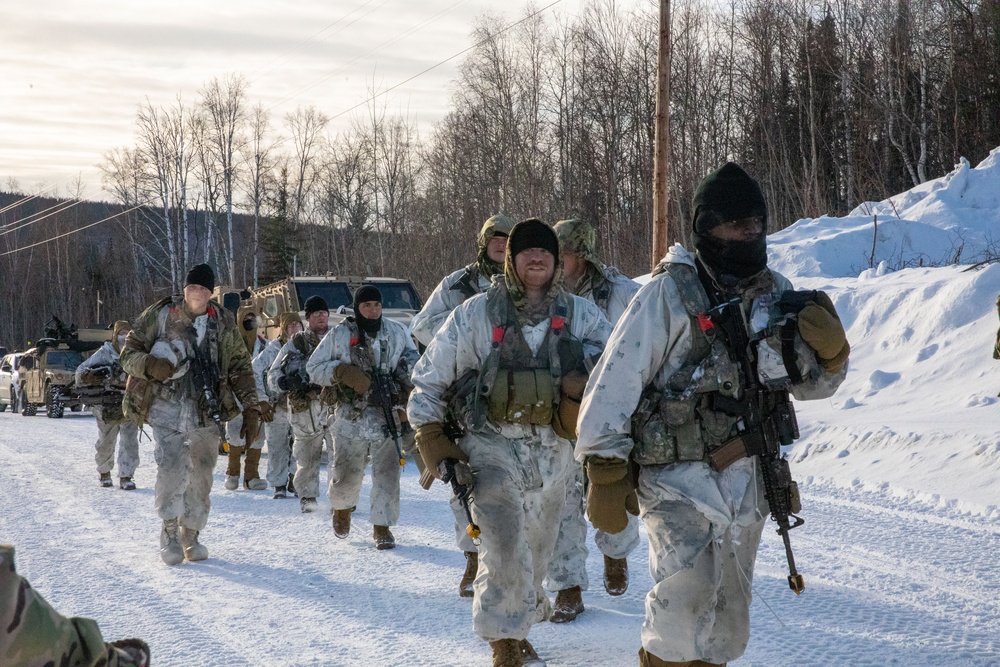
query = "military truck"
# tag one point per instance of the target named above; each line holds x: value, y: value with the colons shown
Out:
x: 400, y: 301
x: 46, y: 372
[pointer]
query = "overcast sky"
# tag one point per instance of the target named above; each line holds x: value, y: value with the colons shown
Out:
x: 73, y: 73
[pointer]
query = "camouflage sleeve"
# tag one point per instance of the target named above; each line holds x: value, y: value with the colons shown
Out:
x: 238, y: 368
x: 333, y: 350
x: 140, y: 341
x: 435, y: 372
x: 622, y: 291
x: 98, y: 358
x: 441, y: 302
x: 261, y: 363
x: 274, y: 373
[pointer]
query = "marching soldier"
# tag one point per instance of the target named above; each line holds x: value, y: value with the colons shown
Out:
x: 448, y: 295
x: 586, y: 276
x: 307, y: 413
x: 364, y: 362
x: 522, y: 343
x: 251, y: 471
x: 189, y: 367
x: 278, y: 431
x: 677, y: 347
x: 104, y: 368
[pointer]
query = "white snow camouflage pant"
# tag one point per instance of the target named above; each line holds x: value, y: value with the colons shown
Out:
x: 185, y: 461
x: 126, y: 434
x: 355, y: 442
x: 518, y: 499
x: 568, y: 567
x: 310, y: 430
x: 277, y: 434
x: 704, y: 529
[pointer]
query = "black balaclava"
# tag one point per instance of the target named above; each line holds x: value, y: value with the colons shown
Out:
x: 367, y: 293
x: 729, y: 193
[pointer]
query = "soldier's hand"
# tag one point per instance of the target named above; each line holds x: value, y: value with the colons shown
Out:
x: 266, y: 412
x: 434, y: 447
x: 90, y: 378
x: 158, y: 368
x: 821, y: 329
x: 610, y: 494
x: 251, y: 425
x: 353, y: 376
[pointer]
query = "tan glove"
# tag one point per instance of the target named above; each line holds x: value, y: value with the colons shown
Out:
x: 610, y: 494
x: 353, y: 376
x: 821, y: 329
x: 251, y: 425
x: 570, y: 392
x: 266, y: 412
x: 158, y: 368
x: 434, y: 446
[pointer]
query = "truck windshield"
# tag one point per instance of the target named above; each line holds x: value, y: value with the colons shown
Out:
x: 64, y: 358
x: 397, y: 295
x: 335, y: 294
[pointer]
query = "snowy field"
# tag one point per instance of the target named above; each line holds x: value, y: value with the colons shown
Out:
x: 900, y: 473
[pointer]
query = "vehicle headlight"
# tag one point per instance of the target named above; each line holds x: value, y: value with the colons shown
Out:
x: 58, y: 376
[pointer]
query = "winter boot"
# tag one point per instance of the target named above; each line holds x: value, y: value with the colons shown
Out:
x: 193, y: 549
x: 341, y: 523
x: 251, y: 473
x: 105, y: 480
x: 527, y: 650
x: 383, y: 538
x: 280, y: 492
x: 126, y: 484
x: 471, y: 570
x: 507, y: 653
x: 308, y: 505
x: 170, y: 547
x: 233, y: 468
x: 291, y: 484
x: 568, y: 605
x: 136, y: 649
x: 647, y: 659
x: 615, y: 575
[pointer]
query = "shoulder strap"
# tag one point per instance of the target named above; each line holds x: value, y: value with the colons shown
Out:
x: 696, y: 303
x: 468, y: 283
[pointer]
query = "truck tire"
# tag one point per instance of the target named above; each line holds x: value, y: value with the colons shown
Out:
x: 53, y: 408
x: 28, y: 409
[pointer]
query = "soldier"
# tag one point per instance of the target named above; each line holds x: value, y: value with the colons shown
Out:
x: 33, y: 633
x: 586, y: 276
x: 362, y: 355
x: 278, y: 431
x: 449, y: 294
x: 672, y: 350
x: 307, y: 414
x: 522, y: 342
x: 103, y: 368
x: 189, y: 367
x: 251, y: 471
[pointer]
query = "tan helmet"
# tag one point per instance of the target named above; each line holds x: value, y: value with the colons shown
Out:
x: 117, y: 328
x: 283, y: 321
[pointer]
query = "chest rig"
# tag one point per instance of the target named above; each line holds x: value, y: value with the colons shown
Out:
x: 362, y: 355
x: 294, y: 363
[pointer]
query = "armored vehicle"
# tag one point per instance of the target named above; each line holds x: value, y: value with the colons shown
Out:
x: 46, y: 371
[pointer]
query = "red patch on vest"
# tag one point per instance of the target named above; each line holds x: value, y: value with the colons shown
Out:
x: 558, y: 322
x: 706, y: 323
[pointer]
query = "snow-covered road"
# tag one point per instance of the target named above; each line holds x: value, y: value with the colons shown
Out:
x: 889, y: 580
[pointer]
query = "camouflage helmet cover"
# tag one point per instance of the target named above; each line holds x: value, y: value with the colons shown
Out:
x: 497, y: 224
x: 579, y: 238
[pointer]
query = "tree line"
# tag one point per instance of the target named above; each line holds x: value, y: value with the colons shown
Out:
x: 829, y: 104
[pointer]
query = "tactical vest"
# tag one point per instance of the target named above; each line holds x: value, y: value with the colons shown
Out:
x: 303, y: 344
x: 361, y: 356
x: 513, y: 385
x: 678, y: 423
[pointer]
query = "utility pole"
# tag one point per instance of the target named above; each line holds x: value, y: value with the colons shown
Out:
x: 661, y: 141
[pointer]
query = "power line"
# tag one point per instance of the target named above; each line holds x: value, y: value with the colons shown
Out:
x: 78, y: 229
x: 62, y: 207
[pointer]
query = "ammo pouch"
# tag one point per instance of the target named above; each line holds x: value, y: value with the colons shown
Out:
x: 522, y: 397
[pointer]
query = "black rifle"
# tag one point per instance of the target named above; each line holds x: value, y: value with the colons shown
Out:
x: 382, y: 388
x: 206, y: 379
x: 767, y: 422
x: 462, y: 490
x: 105, y: 393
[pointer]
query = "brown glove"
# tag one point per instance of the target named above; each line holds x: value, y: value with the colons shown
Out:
x: 266, y: 412
x: 570, y: 392
x: 353, y: 376
x: 251, y: 425
x: 434, y: 446
x: 158, y: 368
x: 610, y: 494
x: 821, y: 329
x: 90, y: 378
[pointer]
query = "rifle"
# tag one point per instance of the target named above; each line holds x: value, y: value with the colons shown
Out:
x: 206, y: 378
x: 767, y: 422
x: 382, y: 388
x: 460, y: 478
x: 105, y: 393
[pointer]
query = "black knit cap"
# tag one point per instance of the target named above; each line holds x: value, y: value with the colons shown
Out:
x: 728, y: 193
x: 366, y: 293
x: 201, y: 274
x: 532, y: 233
x: 314, y: 304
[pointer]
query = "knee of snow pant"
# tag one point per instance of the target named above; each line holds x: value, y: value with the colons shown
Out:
x: 386, y: 472
x: 204, y: 450
x: 346, y: 471
x: 173, y: 467
x: 568, y: 564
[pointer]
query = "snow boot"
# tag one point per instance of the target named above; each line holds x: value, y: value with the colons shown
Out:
x: 507, y: 653
x: 383, y: 538
x: 251, y: 473
x: 341, y: 523
x: 170, y: 547
x: 126, y: 484
x: 615, y: 576
x: 280, y: 492
x: 471, y: 569
x: 568, y: 605
x: 136, y: 649
x: 291, y: 484
x: 193, y: 549
x: 647, y: 659
x: 105, y: 480
x: 308, y: 505
x: 233, y: 464
x: 232, y: 482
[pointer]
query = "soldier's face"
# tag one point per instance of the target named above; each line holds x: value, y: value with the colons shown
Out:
x: 496, y: 248
x: 319, y: 321
x: 196, y: 298
x: 535, y: 267
x: 293, y: 329
x: 371, y: 310
x: 573, y: 265
x: 744, y: 229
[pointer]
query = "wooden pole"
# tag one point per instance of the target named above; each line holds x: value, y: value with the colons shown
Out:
x: 661, y: 140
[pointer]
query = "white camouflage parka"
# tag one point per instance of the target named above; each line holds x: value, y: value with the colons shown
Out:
x: 445, y: 298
